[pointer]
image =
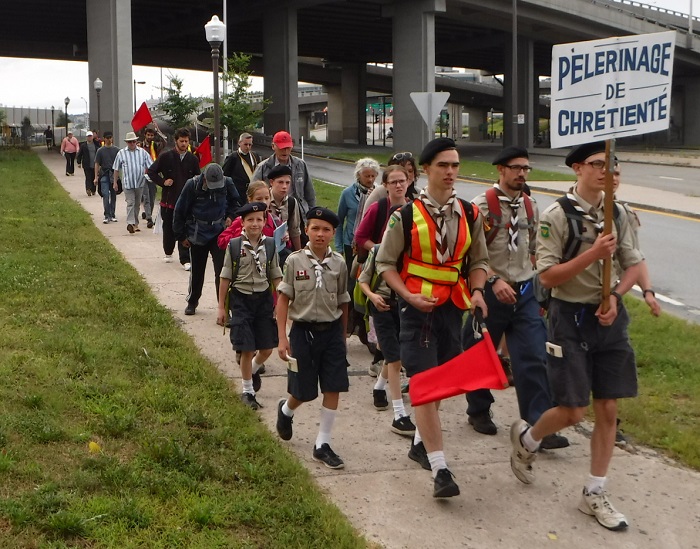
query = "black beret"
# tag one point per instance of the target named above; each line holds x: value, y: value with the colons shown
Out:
x: 317, y: 212
x: 508, y: 154
x: 580, y: 153
x: 279, y: 171
x: 435, y: 147
x: 251, y: 207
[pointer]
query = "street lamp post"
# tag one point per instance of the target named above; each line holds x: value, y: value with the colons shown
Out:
x: 66, y: 101
x: 87, y: 111
x: 97, y: 84
x: 215, y: 31
x: 137, y: 82
x: 52, y: 119
x: 492, y: 137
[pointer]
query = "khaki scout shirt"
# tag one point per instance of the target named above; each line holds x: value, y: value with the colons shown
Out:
x: 585, y: 287
x: 249, y: 280
x: 366, y: 275
x: 515, y: 266
x: 392, y: 246
x: 308, y: 303
x: 283, y: 209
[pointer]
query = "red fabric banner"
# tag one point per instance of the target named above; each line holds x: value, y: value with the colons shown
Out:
x: 142, y: 118
x: 204, y: 152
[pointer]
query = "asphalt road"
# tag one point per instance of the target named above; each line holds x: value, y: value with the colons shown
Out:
x: 671, y: 243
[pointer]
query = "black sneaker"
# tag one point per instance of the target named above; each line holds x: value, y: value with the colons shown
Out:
x: 444, y: 486
x: 249, y: 400
x: 149, y: 223
x: 190, y: 309
x: 483, y: 423
x: 380, y: 400
x: 403, y: 426
x: 328, y: 457
x: 257, y: 381
x: 554, y: 442
x: 284, y: 422
x: 418, y: 454
x: 261, y: 370
x: 143, y: 215
x: 620, y: 440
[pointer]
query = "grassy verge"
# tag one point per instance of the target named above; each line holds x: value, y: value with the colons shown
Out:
x: 114, y: 430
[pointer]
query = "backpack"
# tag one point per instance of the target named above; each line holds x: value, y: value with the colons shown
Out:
x: 234, y: 247
x: 383, y: 208
x: 495, y: 217
x: 360, y: 299
x: 572, y: 245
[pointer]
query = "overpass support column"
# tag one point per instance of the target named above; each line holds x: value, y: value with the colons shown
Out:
x: 414, y: 67
x: 346, y: 106
x: 478, y: 124
x: 281, y: 70
x: 524, y: 88
x: 456, y: 126
x: 335, y: 114
x: 109, y: 59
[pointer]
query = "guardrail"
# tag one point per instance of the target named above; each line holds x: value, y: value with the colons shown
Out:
x: 616, y: 4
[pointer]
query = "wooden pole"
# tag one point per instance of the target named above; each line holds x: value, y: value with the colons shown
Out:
x: 608, y: 206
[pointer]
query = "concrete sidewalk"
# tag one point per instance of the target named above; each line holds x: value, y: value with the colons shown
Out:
x: 387, y: 496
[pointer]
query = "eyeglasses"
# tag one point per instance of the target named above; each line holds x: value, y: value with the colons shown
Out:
x: 517, y: 168
x: 400, y: 157
x: 597, y: 164
x: 398, y: 182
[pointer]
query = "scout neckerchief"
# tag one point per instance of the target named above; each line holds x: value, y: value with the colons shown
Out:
x: 598, y: 225
x: 439, y: 213
x: 514, y: 205
x: 248, y: 167
x: 278, y: 209
x: 255, y: 252
x: 318, y: 267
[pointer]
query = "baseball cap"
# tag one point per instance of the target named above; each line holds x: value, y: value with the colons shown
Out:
x: 283, y: 140
x: 214, y: 176
x: 88, y: 134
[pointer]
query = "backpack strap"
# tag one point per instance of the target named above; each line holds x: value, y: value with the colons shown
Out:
x: 234, y: 247
x: 495, y: 216
x: 383, y: 208
x: 575, y: 223
x: 270, y: 251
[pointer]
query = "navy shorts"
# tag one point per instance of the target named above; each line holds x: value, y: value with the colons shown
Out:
x: 253, y: 325
x: 321, y: 360
x: 387, y: 326
x: 597, y: 360
x: 429, y: 339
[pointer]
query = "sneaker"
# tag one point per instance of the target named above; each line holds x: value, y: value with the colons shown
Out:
x: 403, y: 426
x: 380, y: 400
x: 190, y: 309
x: 149, y: 223
x: 521, y: 458
x: 482, y: 423
x: 136, y: 228
x: 105, y: 220
x: 187, y: 266
x: 444, y: 486
x: 328, y: 457
x: 599, y: 506
x: 404, y: 382
x: 249, y: 400
x: 261, y: 370
x: 257, y: 382
x: 418, y: 454
x: 89, y: 192
x: 554, y: 442
x: 620, y: 440
x: 168, y: 259
x: 114, y: 220
x: 143, y: 215
x: 130, y: 228
x: 375, y: 368
x: 284, y: 422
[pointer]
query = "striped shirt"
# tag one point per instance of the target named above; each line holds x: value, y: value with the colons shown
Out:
x: 132, y: 166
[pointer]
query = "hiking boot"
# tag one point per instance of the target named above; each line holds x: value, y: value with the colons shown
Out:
x: 190, y: 309
x: 249, y: 400
x: 403, y: 426
x: 375, y: 368
x: 444, y: 486
x: 328, y: 457
x: 380, y: 400
x: 521, y: 458
x: 483, y: 423
x: 284, y: 422
x: 257, y: 381
x: 149, y: 223
x: 598, y: 505
x: 554, y: 442
x: 418, y: 454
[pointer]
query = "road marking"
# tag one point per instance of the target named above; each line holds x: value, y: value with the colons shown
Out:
x: 662, y: 297
x: 671, y: 178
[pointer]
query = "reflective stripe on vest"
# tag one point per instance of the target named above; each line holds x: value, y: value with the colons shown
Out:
x: 422, y: 272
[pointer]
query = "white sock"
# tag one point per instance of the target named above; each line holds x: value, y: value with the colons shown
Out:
x: 248, y: 386
x: 416, y: 438
x: 256, y: 366
x: 286, y: 410
x: 381, y: 383
x: 530, y: 443
x: 399, y: 410
x: 437, y: 461
x: 595, y: 485
x: 325, y: 427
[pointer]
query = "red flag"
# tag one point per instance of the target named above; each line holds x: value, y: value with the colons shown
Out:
x: 142, y: 118
x: 204, y: 152
x: 476, y: 368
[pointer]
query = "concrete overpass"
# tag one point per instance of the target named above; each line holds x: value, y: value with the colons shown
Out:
x: 414, y: 35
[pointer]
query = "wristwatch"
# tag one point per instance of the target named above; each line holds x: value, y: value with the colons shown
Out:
x: 492, y: 279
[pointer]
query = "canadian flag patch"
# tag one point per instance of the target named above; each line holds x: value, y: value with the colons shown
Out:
x: 301, y: 275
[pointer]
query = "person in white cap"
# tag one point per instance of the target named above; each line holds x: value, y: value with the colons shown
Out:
x: 131, y: 165
x: 86, y: 158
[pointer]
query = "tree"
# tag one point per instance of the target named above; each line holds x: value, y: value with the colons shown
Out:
x: 61, y: 119
x: 26, y: 129
x: 177, y: 107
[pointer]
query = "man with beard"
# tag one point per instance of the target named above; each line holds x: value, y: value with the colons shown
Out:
x: 153, y: 147
x: 510, y: 222
x: 241, y: 164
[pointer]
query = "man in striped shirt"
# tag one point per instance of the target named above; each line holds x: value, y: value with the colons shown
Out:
x: 131, y: 165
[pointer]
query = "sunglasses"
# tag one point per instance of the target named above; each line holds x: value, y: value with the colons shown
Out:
x: 400, y: 157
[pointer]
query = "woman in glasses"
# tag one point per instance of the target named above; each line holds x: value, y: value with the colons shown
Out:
x: 406, y: 160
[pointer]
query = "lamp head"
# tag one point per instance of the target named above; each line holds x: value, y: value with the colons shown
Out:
x: 66, y: 101
x: 215, y: 31
x: 97, y: 84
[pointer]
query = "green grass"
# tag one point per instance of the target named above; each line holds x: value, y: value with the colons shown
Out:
x: 180, y: 462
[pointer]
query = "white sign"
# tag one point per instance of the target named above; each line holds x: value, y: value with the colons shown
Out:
x: 614, y: 87
x: 521, y: 119
x: 429, y: 104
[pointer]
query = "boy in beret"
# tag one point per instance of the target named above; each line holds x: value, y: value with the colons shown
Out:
x: 588, y: 350
x: 313, y: 294
x: 249, y: 280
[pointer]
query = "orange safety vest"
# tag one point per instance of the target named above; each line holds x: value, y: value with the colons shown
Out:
x: 421, y: 271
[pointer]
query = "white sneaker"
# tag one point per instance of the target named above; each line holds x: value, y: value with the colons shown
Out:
x: 521, y: 458
x: 168, y: 259
x: 375, y: 368
x: 598, y: 505
x: 105, y: 220
x: 187, y: 266
x: 114, y: 220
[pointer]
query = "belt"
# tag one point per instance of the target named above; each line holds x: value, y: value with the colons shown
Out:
x: 316, y: 326
x: 518, y: 286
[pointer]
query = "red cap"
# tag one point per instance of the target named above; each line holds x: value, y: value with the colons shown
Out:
x: 283, y: 140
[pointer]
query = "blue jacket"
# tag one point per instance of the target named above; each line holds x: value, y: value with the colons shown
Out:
x: 347, y: 213
x: 200, y: 214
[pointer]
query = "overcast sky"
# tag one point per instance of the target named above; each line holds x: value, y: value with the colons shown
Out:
x: 44, y: 83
